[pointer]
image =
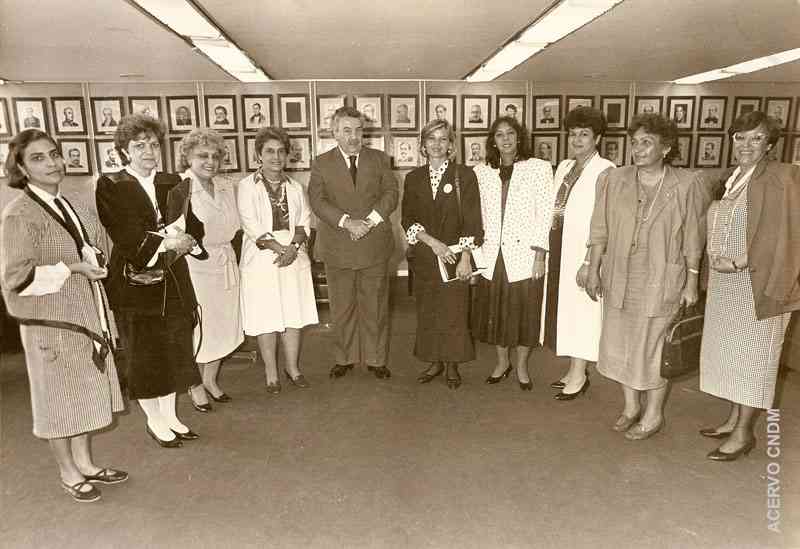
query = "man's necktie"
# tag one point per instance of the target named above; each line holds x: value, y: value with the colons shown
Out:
x: 71, y: 227
x: 353, y: 169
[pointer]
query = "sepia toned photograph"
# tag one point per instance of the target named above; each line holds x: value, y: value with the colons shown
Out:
x: 778, y: 150
x: 794, y: 150
x: 69, y: 115
x: 546, y: 147
x: 256, y: 111
x: 579, y: 101
x: 475, y: 112
x: 442, y: 107
x: 77, y: 160
x: 684, y: 157
x: 106, y: 113
x: 779, y: 108
x: 5, y: 121
x: 473, y: 149
x: 547, y: 112
x: 648, y: 104
x: 31, y: 113
x: 298, y: 158
x: 221, y: 113
x: 403, y: 112
x: 376, y: 142
x: 712, y: 113
x: 107, y: 156
x: 681, y: 110
x: 744, y: 105
x: 3, y: 157
x: 175, y: 153
x: 326, y: 107
x: 613, y: 148
x: 294, y: 111
x: 511, y: 105
x: 182, y: 112
x: 230, y: 160
x: 371, y: 106
x: 615, y: 107
x: 148, y: 106
x: 708, y: 153
x: 405, y: 152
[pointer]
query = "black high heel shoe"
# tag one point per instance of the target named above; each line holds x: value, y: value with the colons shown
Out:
x: 719, y: 455
x: 174, y: 443
x: 188, y: 435
x: 572, y: 396
x: 427, y: 376
x: 204, y: 408
x: 221, y: 398
x: 453, y: 382
x: 299, y: 381
x: 711, y: 432
x: 491, y: 380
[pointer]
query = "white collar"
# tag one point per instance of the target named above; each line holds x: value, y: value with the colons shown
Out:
x: 149, y: 180
x: 347, y: 156
x: 46, y: 196
x: 730, y: 188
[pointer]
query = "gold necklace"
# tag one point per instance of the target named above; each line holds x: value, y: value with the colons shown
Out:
x: 658, y: 191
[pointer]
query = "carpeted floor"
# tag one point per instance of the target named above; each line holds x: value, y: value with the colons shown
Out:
x: 363, y: 463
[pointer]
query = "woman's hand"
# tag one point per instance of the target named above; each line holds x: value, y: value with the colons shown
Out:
x: 88, y: 270
x: 464, y: 267
x: 286, y: 256
x: 538, y: 269
x: 181, y: 243
x: 441, y: 250
x: 582, y: 276
x: 593, y: 285
x: 689, y: 295
x: 723, y: 264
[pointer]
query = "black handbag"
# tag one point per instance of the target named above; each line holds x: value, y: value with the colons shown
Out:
x: 681, y: 353
x: 148, y: 276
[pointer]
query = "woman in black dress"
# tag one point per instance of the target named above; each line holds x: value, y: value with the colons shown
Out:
x: 442, y: 219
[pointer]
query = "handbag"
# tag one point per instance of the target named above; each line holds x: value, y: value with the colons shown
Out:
x: 148, y: 276
x: 681, y: 352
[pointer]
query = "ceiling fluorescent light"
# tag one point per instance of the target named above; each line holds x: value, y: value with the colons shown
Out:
x: 744, y: 67
x: 566, y: 17
x: 181, y: 17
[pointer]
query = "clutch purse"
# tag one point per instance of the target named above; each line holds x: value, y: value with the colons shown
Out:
x: 149, y: 276
x: 681, y: 353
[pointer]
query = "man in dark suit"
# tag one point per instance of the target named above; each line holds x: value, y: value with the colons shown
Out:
x: 353, y: 192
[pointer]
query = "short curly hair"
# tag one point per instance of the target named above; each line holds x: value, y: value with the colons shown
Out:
x: 132, y: 126
x: 345, y: 112
x: 199, y: 137
x: 16, y: 155
x: 271, y: 132
x: 586, y: 117
x: 661, y: 126
x: 523, y: 150
x: 753, y: 120
x: 431, y: 127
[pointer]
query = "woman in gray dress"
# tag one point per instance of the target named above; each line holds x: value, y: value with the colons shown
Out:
x: 753, y: 233
x: 50, y: 273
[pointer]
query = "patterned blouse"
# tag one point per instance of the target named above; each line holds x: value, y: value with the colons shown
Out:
x: 278, y: 201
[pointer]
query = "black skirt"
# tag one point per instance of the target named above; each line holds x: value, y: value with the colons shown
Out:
x: 553, y: 276
x: 443, y: 332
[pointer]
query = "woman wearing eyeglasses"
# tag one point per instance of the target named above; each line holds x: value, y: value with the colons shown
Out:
x: 754, y: 284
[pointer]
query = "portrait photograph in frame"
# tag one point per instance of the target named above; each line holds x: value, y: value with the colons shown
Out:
x: 30, y: 113
x: 442, y: 107
x: 744, y: 105
x: 403, y: 112
x: 615, y: 107
x: 475, y: 113
x: 256, y: 112
x: 5, y: 121
x: 175, y: 153
x: 546, y: 112
x: 371, y: 106
x: 680, y: 109
x: 797, y: 114
x: 546, y: 147
x: 405, y: 152
x: 230, y: 161
x: 473, y: 148
x: 579, y: 101
x: 708, y: 153
x: 299, y: 157
x: 648, y: 104
x: 182, y: 112
x: 293, y: 109
x: 3, y: 156
x: 794, y: 150
x: 779, y: 108
x: 106, y: 113
x: 510, y: 105
x: 712, y: 113
x: 106, y: 156
x: 146, y: 105
x: 778, y: 150
x: 77, y: 156
x: 613, y: 147
x: 251, y: 162
x: 326, y: 106
x: 684, y: 156
x: 221, y: 113
x: 69, y: 115
x: 374, y: 142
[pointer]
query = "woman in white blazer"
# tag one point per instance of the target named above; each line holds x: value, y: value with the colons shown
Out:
x: 277, y: 293
x: 516, y: 204
x: 567, y: 303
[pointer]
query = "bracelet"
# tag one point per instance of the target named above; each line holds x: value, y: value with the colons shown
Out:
x: 694, y: 271
x: 733, y: 262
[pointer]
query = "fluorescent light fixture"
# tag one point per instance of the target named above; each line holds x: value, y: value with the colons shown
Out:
x: 184, y: 19
x: 564, y: 18
x: 744, y: 67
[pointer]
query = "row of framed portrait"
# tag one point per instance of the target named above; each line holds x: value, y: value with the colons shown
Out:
x: 709, y: 116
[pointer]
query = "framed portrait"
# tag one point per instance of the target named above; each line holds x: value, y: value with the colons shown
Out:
x: 221, y: 113
x: 475, y: 112
x: 708, y: 153
x: 106, y: 113
x: 294, y: 111
x: 794, y: 150
x: 613, y: 148
x: 797, y: 115
x: 31, y: 112
x: 175, y: 153
x: 374, y: 142
x: 684, y: 157
x: 299, y: 157
x: 473, y: 148
x: 545, y: 147
x: 256, y: 112
x: 615, y: 107
x: 182, y: 112
x: 547, y: 112
x: 442, y: 107
x: 69, y: 115
x: 325, y: 144
x: 371, y: 106
x: 146, y: 105
x: 648, y: 104
x: 230, y: 161
x: 106, y: 156
x: 403, y: 112
x: 744, y: 105
x: 510, y: 105
x: 579, y: 101
x: 326, y: 107
x: 778, y: 149
x: 5, y: 121
x: 77, y: 159
x: 712, y: 113
x: 681, y: 110
x: 779, y: 109
x: 405, y: 152
x: 251, y: 163
x: 3, y: 156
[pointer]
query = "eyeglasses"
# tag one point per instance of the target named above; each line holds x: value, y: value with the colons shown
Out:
x: 140, y: 146
x: 757, y: 139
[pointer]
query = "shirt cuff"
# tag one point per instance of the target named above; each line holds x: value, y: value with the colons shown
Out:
x: 342, y: 220
x: 467, y: 243
x: 375, y: 217
x: 47, y: 279
x: 411, y: 233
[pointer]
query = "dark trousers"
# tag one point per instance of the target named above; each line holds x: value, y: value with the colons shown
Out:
x: 359, y: 300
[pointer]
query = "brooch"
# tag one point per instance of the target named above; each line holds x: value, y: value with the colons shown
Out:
x: 448, y: 188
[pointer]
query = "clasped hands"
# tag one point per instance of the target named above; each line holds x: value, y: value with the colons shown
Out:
x: 358, y: 228
x: 443, y: 251
x: 723, y: 264
x: 284, y: 255
x: 180, y: 242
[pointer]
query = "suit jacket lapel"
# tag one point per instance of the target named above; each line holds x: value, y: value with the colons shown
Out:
x: 667, y: 188
x: 55, y: 216
x: 755, y: 199
x: 138, y: 194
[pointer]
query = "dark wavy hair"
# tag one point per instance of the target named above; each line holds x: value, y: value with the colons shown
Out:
x: 660, y: 126
x: 586, y: 117
x: 265, y: 134
x: 132, y: 126
x: 16, y: 155
x: 523, y: 149
x: 754, y: 119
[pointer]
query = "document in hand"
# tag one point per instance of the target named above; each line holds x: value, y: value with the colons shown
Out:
x: 448, y: 271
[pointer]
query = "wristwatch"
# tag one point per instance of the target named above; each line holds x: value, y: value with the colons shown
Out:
x: 296, y: 245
